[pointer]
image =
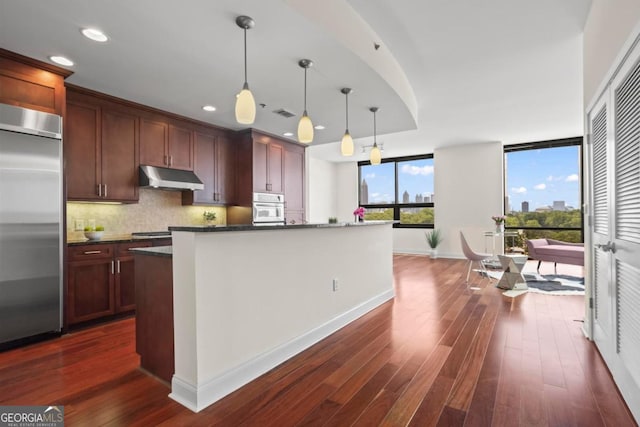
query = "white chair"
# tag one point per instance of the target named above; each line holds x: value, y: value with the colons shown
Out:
x: 473, y: 256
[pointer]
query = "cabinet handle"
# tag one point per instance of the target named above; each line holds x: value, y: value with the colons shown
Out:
x: 105, y: 190
x: 112, y: 272
x: 92, y: 252
x: 268, y: 187
x: 99, y: 190
x: 118, y: 266
x: 170, y: 160
x: 166, y: 160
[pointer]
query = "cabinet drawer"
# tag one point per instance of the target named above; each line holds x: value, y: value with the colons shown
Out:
x: 89, y: 252
x: 123, y: 248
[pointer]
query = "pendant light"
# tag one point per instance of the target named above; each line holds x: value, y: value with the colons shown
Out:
x: 346, y: 148
x: 305, y: 127
x: 375, y: 157
x: 245, y: 104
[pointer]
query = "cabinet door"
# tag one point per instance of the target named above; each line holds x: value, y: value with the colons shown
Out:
x: 90, y: 290
x: 154, y: 137
x: 125, y: 284
x: 276, y: 168
x: 294, y: 217
x: 81, y: 151
x: 224, y: 171
x: 294, y: 179
x: 119, y: 156
x: 204, y: 168
x: 180, y: 148
x: 260, y: 154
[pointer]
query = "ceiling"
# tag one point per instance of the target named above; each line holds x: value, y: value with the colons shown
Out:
x: 445, y: 72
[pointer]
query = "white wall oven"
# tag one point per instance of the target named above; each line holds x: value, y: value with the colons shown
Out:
x: 268, y: 209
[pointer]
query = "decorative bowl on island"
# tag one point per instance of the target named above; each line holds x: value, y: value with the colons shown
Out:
x: 93, y: 235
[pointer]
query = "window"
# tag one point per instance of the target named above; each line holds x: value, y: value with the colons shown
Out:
x: 543, y: 191
x: 398, y: 189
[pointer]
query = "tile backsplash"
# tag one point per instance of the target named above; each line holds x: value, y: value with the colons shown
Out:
x: 155, y: 211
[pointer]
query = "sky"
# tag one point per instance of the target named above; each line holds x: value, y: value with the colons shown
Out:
x: 538, y: 176
x: 415, y: 176
x: 543, y: 176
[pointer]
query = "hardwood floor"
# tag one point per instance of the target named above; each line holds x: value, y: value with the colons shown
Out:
x: 436, y: 355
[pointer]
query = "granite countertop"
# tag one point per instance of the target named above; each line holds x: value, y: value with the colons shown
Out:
x: 123, y: 238
x: 161, y: 251
x: 250, y: 227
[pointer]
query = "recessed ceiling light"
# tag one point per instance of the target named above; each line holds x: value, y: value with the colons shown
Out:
x: 209, y: 108
x: 95, y: 35
x: 61, y: 60
x: 318, y: 127
x: 288, y: 134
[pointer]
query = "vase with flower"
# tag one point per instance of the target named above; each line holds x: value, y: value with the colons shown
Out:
x: 358, y: 214
x: 499, y: 222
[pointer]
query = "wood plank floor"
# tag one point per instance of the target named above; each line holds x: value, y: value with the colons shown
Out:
x: 436, y: 355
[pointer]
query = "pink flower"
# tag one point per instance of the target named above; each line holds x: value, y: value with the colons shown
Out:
x: 359, y: 212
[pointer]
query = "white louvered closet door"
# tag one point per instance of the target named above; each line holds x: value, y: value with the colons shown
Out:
x: 617, y: 258
x: 601, y: 145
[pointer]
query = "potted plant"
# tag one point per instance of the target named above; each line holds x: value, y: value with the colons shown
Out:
x: 209, y: 217
x: 434, y: 238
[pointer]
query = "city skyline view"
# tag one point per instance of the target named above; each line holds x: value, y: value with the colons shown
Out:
x: 414, y: 177
x: 542, y: 177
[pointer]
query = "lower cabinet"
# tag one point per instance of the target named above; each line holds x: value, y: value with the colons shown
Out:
x: 100, y: 280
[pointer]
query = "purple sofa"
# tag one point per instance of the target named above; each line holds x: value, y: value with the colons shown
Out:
x: 556, y: 251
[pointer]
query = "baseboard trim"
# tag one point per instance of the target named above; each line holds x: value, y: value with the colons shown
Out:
x: 196, y: 398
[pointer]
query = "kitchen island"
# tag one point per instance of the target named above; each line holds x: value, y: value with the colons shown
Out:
x: 247, y: 298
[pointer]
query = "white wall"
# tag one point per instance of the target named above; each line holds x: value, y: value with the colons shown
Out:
x: 468, y: 191
x: 609, y: 25
x: 346, y: 190
x: 322, y: 183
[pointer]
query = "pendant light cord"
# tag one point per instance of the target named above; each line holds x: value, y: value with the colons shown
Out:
x: 347, y: 104
x: 374, y: 128
x: 245, y: 56
x: 305, y: 90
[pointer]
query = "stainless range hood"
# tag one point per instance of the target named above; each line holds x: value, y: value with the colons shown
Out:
x: 169, y: 179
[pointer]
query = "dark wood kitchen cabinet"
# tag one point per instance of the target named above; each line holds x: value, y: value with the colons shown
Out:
x: 100, y: 280
x: 268, y: 162
x: 29, y: 83
x: 293, y: 184
x: 166, y: 145
x: 100, y: 150
x: 214, y: 161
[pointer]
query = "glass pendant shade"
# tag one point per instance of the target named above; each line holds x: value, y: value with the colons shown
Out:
x: 346, y: 148
x: 305, y: 129
x: 375, y: 156
x: 245, y: 106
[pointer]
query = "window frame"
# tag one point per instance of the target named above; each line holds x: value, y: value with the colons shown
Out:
x: 537, y: 145
x: 396, y: 206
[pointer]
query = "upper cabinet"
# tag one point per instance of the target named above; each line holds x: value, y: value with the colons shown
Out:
x: 166, y: 145
x: 272, y: 165
x: 32, y: 84
x: 100, y: 149
x: 214, y: 165
x: 268, y: 160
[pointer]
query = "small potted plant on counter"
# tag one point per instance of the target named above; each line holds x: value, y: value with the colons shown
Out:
x: 358, y: 214
x: 333, y: 220
x: 434, y: 238
x: 209, y: 217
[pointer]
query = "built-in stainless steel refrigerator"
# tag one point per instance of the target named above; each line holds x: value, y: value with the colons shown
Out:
x: 31, y: 203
